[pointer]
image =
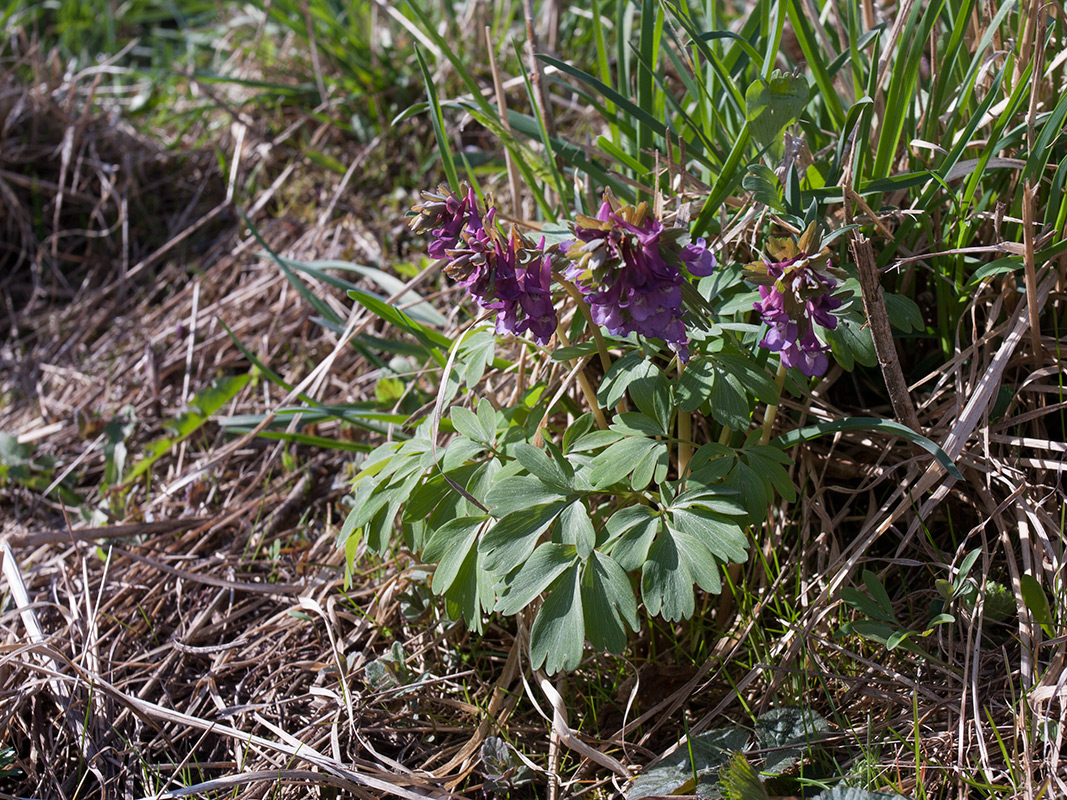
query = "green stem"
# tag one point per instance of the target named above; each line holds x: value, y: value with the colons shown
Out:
x: 587, y: 388
x: 685, y: 441
x: 772, y: 410
x: 583, y: 307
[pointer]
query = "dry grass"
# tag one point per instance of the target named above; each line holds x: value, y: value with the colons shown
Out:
x: 205, y: 644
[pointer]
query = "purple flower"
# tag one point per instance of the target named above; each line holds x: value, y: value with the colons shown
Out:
x: 444, y: 214
x: 630, y: 268
x: 505, y: 274
x: 795, y: 295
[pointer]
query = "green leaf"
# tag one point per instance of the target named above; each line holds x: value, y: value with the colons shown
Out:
x: 752, y: 491
x: 520, y: 493
x: 1037, y: 602
x: 509, y: 543
x: 555, y: 475
x: 771, y: 105
x: 904, y: 313
x: 782, y: 727
x: 854, y: 793
x: 871, y: 424
x: 576, y: 528
x: 449, y: 547
x: 558, y: 632
x: 575, y: 431
x: 205, y: 403
x: 666, y: 585
x: 633, y: 422
x: 753, y: 377
x: 619, y: 460
x: 738, y: 780
x: 544, y: 566
x: 729, y: 403
x: 616, y: 380
x: 651, y: 395
x: 722, y: 536
x: 692, y: 768
x: 653, y: 465
x: 470, y: 593
x: 631, y: 531
x: 594, y: 440
x: 851, y: 341
x: 467, y: 423
x: 608, y: 601
x: 764, y: 185
x: 695, y: 383
x: 693, y: 550
x: 763, y: 462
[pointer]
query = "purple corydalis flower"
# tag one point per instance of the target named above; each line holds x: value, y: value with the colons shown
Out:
x: 444, y: 214
x: 502, y: 273
x: 795, y: 295
x: 630, y: 267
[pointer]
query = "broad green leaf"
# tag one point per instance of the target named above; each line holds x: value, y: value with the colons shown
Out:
x: 771, y: 470
x: 619, y: 460
x: 719, y: 500
x: 575, y: 431
x: 695, y: 383
x: 538, y: 463
x: 729, y: 403
x: 545, y: 565
x: 651, y: 395
x: 468, y: 423
x: 576, y: 528
x: 469, y: 593
x: 666, y: 585
x: 754, y: 378
x: 851, y: 341
x: 701, y: 756
x: 558, y: 632
x: 751, y: 489
x: 631, y: 532
x: 721, y: 535
x: 1037, y: 602
x: 520, y: 493
x: 694, y: 553
x: 774, y: 103
x: 904, y: 313
x: 786, y: 726
x: 448, y: 547
x: 617, y: 379
x: 653, y: 465
x: 594, y: 440
x: 608, y: 601
x: 633, y: 422
x: 509, y: 543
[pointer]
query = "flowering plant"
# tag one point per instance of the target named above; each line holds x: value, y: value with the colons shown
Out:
x: 623, y: 457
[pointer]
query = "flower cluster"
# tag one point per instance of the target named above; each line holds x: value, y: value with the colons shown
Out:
x: 795, y: 294
x: 630, y: 268
x: 505, y: 273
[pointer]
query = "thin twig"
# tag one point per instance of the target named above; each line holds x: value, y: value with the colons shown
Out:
x: 888, y: 360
